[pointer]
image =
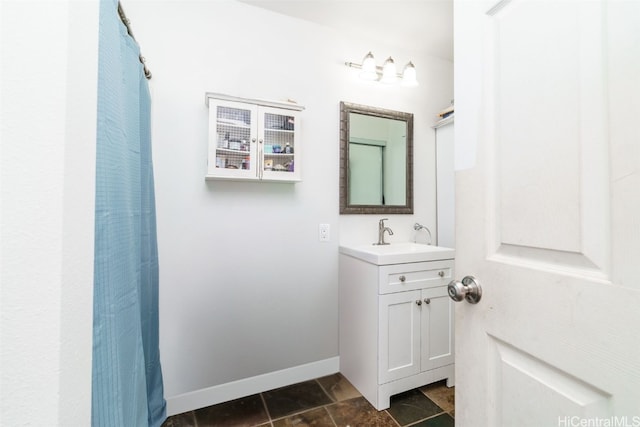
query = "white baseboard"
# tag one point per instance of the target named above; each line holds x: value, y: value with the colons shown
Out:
x: 245, y: 387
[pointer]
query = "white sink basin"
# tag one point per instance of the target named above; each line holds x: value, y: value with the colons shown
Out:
x: 398, y: 253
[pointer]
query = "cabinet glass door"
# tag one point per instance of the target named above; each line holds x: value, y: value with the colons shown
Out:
x: 235, y: 148
x: 279, y: 149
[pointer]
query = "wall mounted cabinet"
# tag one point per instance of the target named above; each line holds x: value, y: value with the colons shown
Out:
x: 253, y: 139
x: 396, y: 326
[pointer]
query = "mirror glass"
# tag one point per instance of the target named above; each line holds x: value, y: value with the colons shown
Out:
x: 376, y: 160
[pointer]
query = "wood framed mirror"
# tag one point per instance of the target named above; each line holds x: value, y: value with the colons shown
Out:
x: 376, y: 160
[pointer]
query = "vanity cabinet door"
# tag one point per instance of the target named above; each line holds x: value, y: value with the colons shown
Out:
x: 437, y: 338
x: 399, y: 328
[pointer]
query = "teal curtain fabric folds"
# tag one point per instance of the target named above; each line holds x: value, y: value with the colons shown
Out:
x: 127, y: 387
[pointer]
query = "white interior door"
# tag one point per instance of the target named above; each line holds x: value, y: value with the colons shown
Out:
x: 547, y: 213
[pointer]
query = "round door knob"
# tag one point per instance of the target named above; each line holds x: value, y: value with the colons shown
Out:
x: 441, y: 273
x: 427, y: 301
x: 402, y: 278
x: 469, y: 289
x: 456, y: 290
x: 419, y: 302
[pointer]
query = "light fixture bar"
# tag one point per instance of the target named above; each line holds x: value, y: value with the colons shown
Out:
x: 359, y: 67
x: 390, y: 75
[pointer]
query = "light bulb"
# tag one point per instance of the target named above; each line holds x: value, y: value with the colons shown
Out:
x: 409, y: 75
x: 389, y: 73
x: 369, y: 68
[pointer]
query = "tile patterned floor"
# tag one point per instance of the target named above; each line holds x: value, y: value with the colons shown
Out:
x: 326, y: 402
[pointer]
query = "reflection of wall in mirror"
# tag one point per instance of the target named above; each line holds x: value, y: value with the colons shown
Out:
x: 395, y: 163
x: 374, y: 132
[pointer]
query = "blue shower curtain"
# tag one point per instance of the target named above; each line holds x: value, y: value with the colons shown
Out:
x: 127, y: 387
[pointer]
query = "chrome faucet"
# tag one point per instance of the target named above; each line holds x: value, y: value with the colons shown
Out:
x: 381, y: 230
x: 419, y: 227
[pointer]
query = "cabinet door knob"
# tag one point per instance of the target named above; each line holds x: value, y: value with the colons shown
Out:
x: 402, y: 278
x: 427, y: 301
x: 419, y: 302
x: 253, y: 140
x: 441, y: 273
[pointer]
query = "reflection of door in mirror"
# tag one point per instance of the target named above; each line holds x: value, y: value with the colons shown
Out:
x: 365, y: 173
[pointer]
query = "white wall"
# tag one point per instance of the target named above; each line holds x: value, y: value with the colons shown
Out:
x: 48, y: 94
x: 246, y: 288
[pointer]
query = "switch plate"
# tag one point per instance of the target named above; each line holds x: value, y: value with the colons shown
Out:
x: 324, y: 232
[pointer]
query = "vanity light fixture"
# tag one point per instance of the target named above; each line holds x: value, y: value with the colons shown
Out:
x: 386, y: 74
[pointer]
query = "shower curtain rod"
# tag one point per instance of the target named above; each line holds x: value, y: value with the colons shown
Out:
x: 126, y: 23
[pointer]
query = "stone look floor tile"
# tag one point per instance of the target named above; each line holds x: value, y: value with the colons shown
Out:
x: 412, y: 406
x: 295, y: 398
x: 359, y: 412
x: 442, y: 420
x: 315, y: 417
x: 326, y: 402
x: 442, y: 395
x: 338, y: 387
x: 244, y: 412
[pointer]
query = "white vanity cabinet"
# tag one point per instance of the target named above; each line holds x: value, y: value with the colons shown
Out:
x: 253, y: 139
x: 396, y: 326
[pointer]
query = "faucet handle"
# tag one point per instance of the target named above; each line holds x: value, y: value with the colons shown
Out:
x: 417, y: 226
x: 383, y: 220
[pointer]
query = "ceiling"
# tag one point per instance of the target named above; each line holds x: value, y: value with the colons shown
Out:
x: 421, y: 25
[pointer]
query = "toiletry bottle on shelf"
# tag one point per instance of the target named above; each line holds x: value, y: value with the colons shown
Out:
x: 288, y: 149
